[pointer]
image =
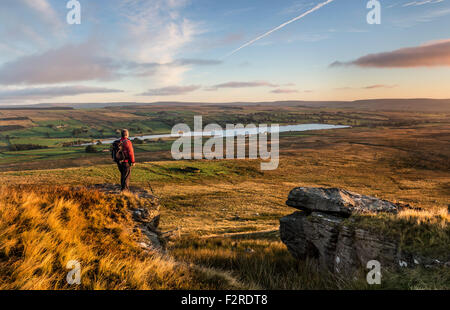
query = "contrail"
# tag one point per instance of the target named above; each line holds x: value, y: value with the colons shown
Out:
x: 281, y: 26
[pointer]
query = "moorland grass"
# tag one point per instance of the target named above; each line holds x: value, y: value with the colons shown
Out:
x: 42, y: 229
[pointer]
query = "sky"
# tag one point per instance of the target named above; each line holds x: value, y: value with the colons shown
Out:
x: 222, y: 51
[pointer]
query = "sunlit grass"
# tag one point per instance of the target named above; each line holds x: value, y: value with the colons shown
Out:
x: 41, y: 230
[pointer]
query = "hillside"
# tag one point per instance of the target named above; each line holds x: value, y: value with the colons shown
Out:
x: 42, y: 229
x: 412, y: 104
x: 221, y: 224
x: 220, y: 217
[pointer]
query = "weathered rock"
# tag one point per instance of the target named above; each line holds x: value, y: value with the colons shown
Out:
x: 144, y: 208
x: 325, y: 230
x: 339, y: 201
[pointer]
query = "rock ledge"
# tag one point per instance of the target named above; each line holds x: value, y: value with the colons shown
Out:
x: 323, y: 230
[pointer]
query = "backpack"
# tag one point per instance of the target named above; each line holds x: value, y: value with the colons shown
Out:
x: 117, y: 151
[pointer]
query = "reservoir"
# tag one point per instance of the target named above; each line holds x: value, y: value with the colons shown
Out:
x: 236, y: 132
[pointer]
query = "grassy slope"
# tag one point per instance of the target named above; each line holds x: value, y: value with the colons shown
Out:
x: 41, y: 230
x: 235, y: 197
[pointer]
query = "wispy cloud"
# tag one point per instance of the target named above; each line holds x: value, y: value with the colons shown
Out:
x: 317, y: 7
x: 234, y: 84
x: 419, y: 3
x: 44, y: 9
x: 161, y: 45
x: 18, y: 95
x: 369, y: 87
x: 284, y: 91
x: 379, y: 86
x: 417, y: 12
x: 155, y: 31
x: 66, y: 64
x: 171, y: 90
x: 29, y: 25
x: 432, y: 54
x: 195, y: 62
x: 84, y: 62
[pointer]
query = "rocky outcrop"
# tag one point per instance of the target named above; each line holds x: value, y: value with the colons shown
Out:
x: 144, y: 208
x: 147, y: 219
x: 339, y: 201
x: 324, y: 229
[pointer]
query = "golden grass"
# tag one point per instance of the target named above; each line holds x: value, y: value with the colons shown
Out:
x: 260, y: 262
x: 41, y: 230
x: 420, y: 232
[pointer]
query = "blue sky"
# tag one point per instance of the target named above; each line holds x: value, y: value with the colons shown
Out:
x: 155, y: 50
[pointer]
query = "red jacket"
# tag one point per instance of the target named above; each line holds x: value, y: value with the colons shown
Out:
x: 128, y: 150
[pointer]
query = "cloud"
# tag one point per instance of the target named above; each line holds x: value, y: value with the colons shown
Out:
x: 171, y: 90
x: 44, y: 9
x: 375, y: 86
x: 65, y: 64
x: 27, y: 25
x: 155, y: 32
x: 317, y: 7
x: 144, y: 42
x: 284, y: 91
x: 296, y: 7
x: 243, y: 85
x: 195, y: 62
x: 379, y: 86
x: 419, y: 3
x: 154, y: 68
x: 11, y: 95
x: 432, y: 54
x: 85, y: 62
x: 412, y: 16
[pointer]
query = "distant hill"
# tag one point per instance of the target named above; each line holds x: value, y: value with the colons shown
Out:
x: 425, y: 105
x: 34, y: 107
x: 419, y: 104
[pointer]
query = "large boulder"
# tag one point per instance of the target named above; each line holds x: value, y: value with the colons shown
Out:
x: 335, y: 200
x: 323, y: 229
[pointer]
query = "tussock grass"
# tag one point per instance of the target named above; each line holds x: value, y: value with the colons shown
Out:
x: 259, y: 263
x: 420, y: 232
x: 42, y: 229
x: 265, y: 263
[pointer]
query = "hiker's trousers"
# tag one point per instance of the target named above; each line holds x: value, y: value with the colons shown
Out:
x: 125, y: 172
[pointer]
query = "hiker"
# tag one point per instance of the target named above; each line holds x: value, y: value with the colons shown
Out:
x: 123, y: 155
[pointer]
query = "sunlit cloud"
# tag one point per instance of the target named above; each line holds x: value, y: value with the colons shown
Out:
x: 65, y: 64
x: 284, y: 91
x: 171, y: 90
x: 434, y: 54
x: 38, y: 93
x: 243, y: 85
x: 155, y: 32
x: 379, y: 86
x: 369, y: 87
